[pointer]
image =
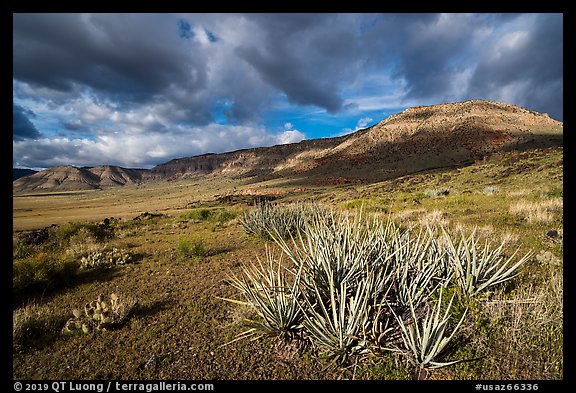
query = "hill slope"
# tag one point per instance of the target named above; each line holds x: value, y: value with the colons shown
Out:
x: 416, y: 139
x: 17, y: 173
x: 66, y: 178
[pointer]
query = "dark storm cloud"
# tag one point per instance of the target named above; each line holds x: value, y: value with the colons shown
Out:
x: 123, y: 57
x: 311, y: 58
x: 22, y: 127
x: 285, y: 74
x: 430, y: 53
x: 303, y: 55
x: 531, y: 62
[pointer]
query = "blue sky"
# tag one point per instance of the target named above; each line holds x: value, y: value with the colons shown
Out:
x: 137, y: 90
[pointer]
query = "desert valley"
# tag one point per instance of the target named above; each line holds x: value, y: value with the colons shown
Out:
x: 322, y: 259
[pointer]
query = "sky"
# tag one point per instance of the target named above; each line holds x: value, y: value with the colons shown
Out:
x: 137, y: 90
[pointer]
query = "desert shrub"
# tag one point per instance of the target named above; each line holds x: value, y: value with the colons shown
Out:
x: 269, y: 220
x: 82, y: 231
x: 21, y: 249
x: 438, y: 192
x: 490, y: 190
x: 34, y: 326
x: 434, y: 218
x: 225, y: 215
x: 537, y: 212
x: 42, y: 271
x: 191, y: 248
x: 556, y: 192
x: 220, y: 215
x: 367, y: 287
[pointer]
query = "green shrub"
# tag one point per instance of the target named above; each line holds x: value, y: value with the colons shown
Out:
x: 42, y: 271
x: 20, y: 249
x: 210, y: 215
x: 80, y: 231
x: 191, y: 248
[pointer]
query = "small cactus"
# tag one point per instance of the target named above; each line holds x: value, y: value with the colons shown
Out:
x: 106, y: 259
x: 99, y: 314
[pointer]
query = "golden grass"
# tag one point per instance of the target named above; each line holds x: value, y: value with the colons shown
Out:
x: 536, y: 212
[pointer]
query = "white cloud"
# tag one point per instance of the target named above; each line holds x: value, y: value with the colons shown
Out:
x: 363, y: 122
x: 291, y: 136
x: 147, y: 148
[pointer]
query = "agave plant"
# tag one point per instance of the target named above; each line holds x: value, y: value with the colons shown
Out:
x: 273, y: 296
x: 425, y: 339
x: 475, y: 269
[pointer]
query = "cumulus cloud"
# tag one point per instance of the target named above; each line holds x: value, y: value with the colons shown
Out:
x: 146, y: 148
x: 363, y: 122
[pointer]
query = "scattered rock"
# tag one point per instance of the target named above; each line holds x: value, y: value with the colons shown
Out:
x: 147, y: 216
x: 35, y: 237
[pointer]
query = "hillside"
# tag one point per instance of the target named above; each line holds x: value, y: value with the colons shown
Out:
x: 67, y: 178
x: 17, y: 173
x: 416, y: 139
x: 187, y: 247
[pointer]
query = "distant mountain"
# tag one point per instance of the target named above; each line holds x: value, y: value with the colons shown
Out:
x: 17, y: 173
x: 67, y: 178
x: 419, y: 138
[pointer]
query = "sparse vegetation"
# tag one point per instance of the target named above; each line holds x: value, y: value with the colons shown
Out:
x: 191, y: 248
x: 308, y: 317
x: 33, y: 327
x: 212, y: 215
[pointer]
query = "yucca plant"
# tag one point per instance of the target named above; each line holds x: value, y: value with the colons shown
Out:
x: 345, y: 274
x: 272, y: 292
x: 426, y: 338
x: 475, y: 269
x: 270, y: 221
x: 334, y: 251
x: 339, y: 326
x: 417, y: 267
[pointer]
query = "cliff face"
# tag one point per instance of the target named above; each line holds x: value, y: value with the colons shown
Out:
x: 418, y: 138
x: 248, y: 162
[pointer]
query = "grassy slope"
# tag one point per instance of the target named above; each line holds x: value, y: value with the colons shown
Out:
x: 180, y: 325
